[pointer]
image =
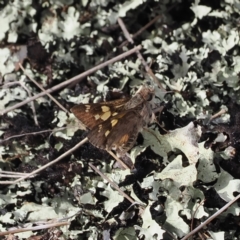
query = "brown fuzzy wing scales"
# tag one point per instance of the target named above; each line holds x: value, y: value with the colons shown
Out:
x: 93, y: 114
x: 119, y: 132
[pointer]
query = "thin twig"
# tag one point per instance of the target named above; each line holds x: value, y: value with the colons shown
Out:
x: 147, y: 25
x: 25, y: 134
x: 147, y: 68
x: 218, y: 114
x: 9, y: 174
x: 48, y: 164
x: 16, y: 173
x: 118, y: 159
x: 44, y: 131
x: 32, y: 133
x: 141, y: 30
x: 58, y: 224
x: 200, y: 204
x: 74, y: 79
x: 39, y: 86
x: 30, y: 95
x: 211, y: 218
x: 114, y: 185
x: 32, y: 104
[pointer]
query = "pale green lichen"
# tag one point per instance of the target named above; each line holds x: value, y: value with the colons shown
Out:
x: 77, y: 43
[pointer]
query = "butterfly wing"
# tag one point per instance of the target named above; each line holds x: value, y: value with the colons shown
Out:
x: 119, y: 132
x: 95, y: 113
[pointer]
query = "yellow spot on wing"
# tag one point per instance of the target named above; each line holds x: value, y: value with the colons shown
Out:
x: 114, y: 122
x: 105, y: 116
x: 99, y: 127
x: 97, y: 116
x: 106, y: 133
x: 114, y: 114
x: 124, y: 139
x: 105, y: 109
x: 87, y: 108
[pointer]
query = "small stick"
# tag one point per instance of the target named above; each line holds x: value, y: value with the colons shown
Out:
x: 8, y: 174
x: 39, y: 86
x: 141, y: 30
x: 200, y: 204
x: 30, y: 95
x: 59, y: 224
x: 58, y: 159
x: 147, y: 25
x: 118, y: 159
x: 211, y: 218
x: 114, y: 185
x: 48, y: 164
x: 74, y: 79
x: 147, y: 68
x: 218, y: 114
x: 32, y: 133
